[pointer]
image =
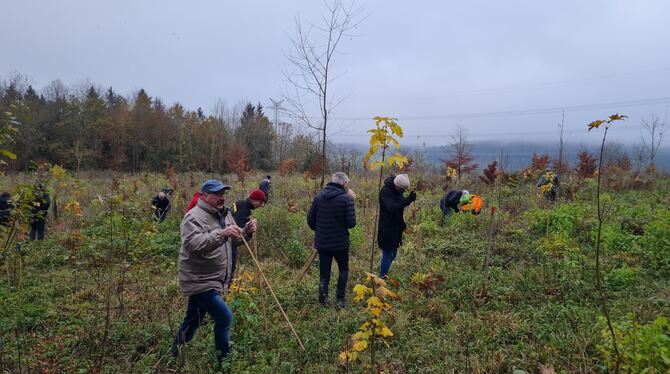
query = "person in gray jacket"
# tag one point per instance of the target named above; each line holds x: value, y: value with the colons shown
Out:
x: 205, y: 265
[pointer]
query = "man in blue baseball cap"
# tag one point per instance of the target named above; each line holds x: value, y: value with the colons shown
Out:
x: 205, y: 265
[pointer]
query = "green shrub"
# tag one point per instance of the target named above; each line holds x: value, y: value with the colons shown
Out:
x: 556, y: 244
x: 277, y: 227
x: 656, y: 242
x: 645, y: 348
x: 614, y: 240
x: 356, y: 237
x: 296, y: 252
x: 562, y: 219
x: 621, y: 278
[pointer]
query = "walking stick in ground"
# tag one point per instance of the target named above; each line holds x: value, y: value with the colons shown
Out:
x: 260, y: 289
x: 258, y: 267
x: 306, y: 267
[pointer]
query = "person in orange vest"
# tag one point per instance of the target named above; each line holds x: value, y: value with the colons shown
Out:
x: 474, y: 206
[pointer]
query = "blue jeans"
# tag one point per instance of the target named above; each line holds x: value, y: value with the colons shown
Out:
x: 207, y: 302
x: 388, y: 255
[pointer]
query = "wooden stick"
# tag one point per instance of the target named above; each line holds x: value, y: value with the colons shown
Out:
x: 306, y: 267
x: 258, y: 266
x: 260, y: 289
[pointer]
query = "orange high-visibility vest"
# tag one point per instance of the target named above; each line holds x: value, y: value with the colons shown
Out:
x: 476, y: 205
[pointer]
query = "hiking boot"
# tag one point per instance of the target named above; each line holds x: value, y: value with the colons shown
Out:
x: 341, y: 303
x: 323, y: 298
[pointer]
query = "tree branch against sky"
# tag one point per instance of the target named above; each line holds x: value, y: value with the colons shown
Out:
x: 310, y: 66
x: 653, y: 132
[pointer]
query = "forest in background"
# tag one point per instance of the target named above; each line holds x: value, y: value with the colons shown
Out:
x: 88, y: 128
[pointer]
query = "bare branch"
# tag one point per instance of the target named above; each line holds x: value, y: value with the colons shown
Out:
x: 655, y: 131
x: 311, y: 58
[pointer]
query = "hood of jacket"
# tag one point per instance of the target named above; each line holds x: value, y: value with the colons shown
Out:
x: 332, y: 190
x: 388, y: 182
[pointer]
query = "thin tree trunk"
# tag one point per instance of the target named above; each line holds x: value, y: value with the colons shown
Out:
x: 601, y: 291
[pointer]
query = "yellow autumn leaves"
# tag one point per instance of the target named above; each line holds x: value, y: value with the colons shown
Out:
x: 614, y: 117
x: 451, y: 172
x: 377, y: 299
x: 386, y: 133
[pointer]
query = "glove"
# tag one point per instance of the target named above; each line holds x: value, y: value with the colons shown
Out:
x: 412, y: 196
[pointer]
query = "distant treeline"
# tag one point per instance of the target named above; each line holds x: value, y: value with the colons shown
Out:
x: 90, y: 128
x: 93, y: 128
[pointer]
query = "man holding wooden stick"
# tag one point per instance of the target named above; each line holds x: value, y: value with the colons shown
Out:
x: 331, y: 216
x: 205, y: 265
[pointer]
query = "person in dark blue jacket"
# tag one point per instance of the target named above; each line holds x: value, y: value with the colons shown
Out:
x: 391, y: 224
x: 452, y: 200
x: 331, y: 216
x: 266, y: 186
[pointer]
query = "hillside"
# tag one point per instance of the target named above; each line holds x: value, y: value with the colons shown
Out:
x: 482, y: 294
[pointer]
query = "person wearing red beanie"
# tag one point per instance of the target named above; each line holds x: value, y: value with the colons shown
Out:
x: 241, y: 211
x: 258, y: 195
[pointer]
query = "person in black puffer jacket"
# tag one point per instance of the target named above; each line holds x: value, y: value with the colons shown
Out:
x: 331, y: 216
x: 391, y: 225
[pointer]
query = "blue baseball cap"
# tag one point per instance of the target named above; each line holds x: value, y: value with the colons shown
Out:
x: 213, y: 186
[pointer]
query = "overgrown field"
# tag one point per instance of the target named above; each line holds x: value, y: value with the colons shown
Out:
x: 477, y: 295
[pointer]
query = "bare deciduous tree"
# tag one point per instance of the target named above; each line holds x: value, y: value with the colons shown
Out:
x: 655, y: 130
x: 561, y: 165
x: 310, y: 70
x: 461, y: 153
x: 639, y: 156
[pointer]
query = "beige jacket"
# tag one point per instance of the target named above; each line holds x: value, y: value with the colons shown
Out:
x: 205, y: 260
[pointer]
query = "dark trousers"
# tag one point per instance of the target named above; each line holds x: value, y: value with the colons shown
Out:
x: 325, y: 263
x: 160, y: 215
x: 37, y: 229
x: 212, y: 303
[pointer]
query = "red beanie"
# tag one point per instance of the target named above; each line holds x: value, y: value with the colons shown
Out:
x: 257, y: 195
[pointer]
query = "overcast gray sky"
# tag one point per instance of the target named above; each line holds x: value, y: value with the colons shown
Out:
x: 432, y: 64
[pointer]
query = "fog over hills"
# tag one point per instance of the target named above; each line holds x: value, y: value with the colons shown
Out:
x: 517, y: 155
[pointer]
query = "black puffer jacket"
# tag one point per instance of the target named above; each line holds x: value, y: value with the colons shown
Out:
x: 331, y: 215
x: 451, y: 201
x: 391, y: 222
